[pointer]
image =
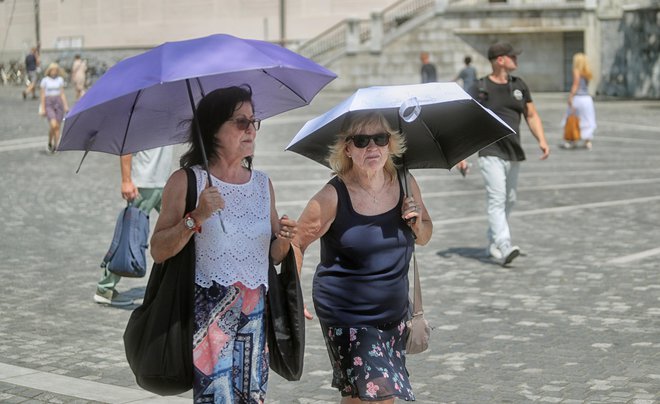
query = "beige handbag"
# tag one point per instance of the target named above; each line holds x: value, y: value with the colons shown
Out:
x: 419, y: 330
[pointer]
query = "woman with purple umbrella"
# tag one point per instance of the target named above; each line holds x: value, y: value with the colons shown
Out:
x: 231, y: 273
x: 360, y: 290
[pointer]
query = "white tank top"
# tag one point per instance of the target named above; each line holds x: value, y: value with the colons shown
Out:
x: 240, y: 254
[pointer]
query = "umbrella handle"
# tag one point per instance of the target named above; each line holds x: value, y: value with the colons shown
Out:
x: 404, y: 172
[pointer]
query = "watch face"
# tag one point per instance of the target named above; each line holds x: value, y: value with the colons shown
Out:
x: 190, y: 223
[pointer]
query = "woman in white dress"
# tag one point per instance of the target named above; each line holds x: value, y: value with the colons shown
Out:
x: 580, y: 102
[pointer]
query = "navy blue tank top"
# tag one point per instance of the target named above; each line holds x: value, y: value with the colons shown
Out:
x: 362, y: 278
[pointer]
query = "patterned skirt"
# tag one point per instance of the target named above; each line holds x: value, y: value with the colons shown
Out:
x: 369, y: 363
x: 54, y: 108
x: 229, y: 346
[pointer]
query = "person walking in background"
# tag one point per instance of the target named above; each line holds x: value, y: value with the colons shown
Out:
x: 32, y: 62
x: 232, y: 250
x: 53, y: 103
x: 79, y: 75
x: 580, y: 102
x: 428, y: 69
x: 360, y: 288
x: 143, y: 176
x: 468, y: 74
x: 508, y: 97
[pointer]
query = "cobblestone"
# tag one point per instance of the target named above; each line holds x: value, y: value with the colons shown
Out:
x: 573, y: 320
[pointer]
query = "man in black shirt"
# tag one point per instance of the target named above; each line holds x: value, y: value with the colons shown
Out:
x: 31, y: 65
x: 509, y: 98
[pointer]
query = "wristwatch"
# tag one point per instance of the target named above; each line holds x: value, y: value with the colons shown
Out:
x: 191, y: 223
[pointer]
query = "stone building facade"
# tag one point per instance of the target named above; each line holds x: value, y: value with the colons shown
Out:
x: 367, y: 42
x: 621, y: 40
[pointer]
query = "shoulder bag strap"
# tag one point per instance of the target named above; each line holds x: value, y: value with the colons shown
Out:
x: 191, y: 195
x: 417, y: 291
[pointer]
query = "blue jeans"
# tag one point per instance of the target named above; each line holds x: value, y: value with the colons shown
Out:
x: 501, y: 180
x: 148, y: 200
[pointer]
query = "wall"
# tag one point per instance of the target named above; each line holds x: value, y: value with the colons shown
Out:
x: 631, y: 65
x: 145, y: 23
x: 17, y: 32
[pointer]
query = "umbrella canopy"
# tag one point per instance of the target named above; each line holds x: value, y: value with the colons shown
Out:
x: 441, y: 122
x: 140, y: 102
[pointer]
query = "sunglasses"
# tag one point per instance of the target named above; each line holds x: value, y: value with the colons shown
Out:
x: 362, y: 141
x: 244, y: 123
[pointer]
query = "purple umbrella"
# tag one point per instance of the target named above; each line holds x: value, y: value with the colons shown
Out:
x: 140, y: 103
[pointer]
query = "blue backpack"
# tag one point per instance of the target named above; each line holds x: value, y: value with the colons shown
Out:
x: 127, y: 253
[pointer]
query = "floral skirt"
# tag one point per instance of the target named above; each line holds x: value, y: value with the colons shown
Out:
x: 369, y: 363
x: 229, y: 345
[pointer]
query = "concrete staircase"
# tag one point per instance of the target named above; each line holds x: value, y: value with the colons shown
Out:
x: 352, y: 35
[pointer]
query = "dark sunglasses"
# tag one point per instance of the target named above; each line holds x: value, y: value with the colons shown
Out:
x: 244, y: 123
x: 362, y: 141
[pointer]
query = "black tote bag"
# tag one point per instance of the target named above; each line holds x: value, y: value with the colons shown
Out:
x: 285, y: 322
x: 159, y: 333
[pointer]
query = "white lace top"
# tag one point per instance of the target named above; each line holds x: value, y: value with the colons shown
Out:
x: 240, y: 254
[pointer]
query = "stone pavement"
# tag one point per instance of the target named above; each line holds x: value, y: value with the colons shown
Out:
x: 576, y: 319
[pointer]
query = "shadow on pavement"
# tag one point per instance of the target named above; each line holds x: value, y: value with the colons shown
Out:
x: 475, y: 253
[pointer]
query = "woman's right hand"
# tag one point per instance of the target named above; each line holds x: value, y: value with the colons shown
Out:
x: 210, y: 202
x: 307, y: 314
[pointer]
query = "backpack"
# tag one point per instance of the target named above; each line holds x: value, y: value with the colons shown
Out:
x: 127, y: 253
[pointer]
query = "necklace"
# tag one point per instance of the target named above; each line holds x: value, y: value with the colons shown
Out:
x: 374, y: 195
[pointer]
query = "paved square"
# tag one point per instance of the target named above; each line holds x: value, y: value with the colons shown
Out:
x: 575, y: 319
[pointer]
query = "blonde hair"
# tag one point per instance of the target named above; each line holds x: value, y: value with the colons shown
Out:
x: 339, y: 161
x: 581, y: 64
x: 56, y: 67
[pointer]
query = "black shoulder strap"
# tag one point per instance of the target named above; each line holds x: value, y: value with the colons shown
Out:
x: 482, y: 84
x: 191, y: 195
x: 483, y: 91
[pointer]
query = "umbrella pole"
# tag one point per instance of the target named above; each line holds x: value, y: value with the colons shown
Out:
x: 205, y: 161
x: 405, y: 184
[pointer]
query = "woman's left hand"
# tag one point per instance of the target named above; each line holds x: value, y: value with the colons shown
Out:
x: 410, y: 209
x: 288, y: 228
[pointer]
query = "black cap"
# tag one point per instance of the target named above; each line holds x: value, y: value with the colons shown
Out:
x: 502, y: 49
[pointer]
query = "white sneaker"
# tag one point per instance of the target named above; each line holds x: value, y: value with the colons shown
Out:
x: 112, y: 297
x: 509, y: 253
x: 494, y: 252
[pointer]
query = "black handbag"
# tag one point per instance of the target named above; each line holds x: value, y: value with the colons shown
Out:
x: 285, y: 320
x: 159, y: 334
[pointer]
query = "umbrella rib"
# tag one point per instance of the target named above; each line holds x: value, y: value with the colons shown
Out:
x: 428, y: 130
x: 435, y: 140
x: 128, y: 124
x: 201, y: 89
x: 283, y: 84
